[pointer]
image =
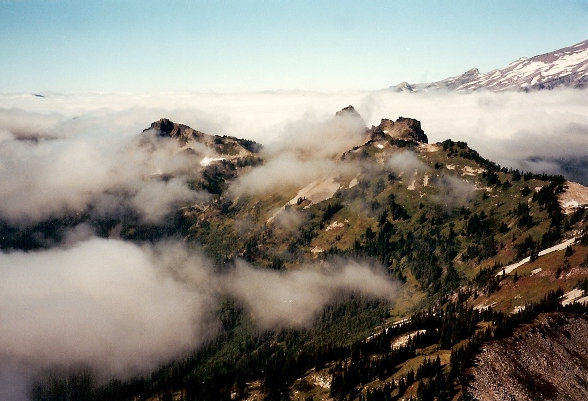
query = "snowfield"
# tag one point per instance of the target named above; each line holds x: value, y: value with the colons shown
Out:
x: 510, y: 268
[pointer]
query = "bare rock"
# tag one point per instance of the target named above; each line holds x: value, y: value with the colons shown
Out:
x: 403, y: 128
x: 546, y: 360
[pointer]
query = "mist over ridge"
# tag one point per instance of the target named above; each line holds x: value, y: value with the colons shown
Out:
x: 536, y: 131
x: 67, y: 154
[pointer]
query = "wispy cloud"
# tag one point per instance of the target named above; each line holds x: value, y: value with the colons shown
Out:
x: 286, y: 299
x: 121, y: 308
x: 406, y: 162
x: 66, y: 171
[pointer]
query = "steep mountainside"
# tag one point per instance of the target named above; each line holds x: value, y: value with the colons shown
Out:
x: 567, y: 67
x: 546, y: 360
x: 463, y: 238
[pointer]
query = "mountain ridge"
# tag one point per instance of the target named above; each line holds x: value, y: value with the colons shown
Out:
x: 565, y: 67
x: 437, y: 218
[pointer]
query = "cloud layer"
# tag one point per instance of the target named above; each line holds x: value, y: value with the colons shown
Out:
x: 106, y: 301
x: 66, y: 171
x: 121, y: 308
x: 510, y: 128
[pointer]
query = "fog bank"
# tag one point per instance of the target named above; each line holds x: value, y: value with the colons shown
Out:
x: 121, y: 309
x: 514, y: 129
x: 293, y: 298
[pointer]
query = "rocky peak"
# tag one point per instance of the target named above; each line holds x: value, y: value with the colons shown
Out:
x: 349, y: 110
x: 167, y: 128
x: 164, y: 126
x: 402, y: 128
x: 474, y: 72
x: 186, y: 136
x: 350, y: 114
x: 403, y: 87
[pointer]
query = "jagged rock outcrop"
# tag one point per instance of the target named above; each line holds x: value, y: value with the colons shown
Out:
x: 546, y: 360
x: 349, y: 110
x: 403, y: 128
x: 222, y: 145
x: 350, y: 113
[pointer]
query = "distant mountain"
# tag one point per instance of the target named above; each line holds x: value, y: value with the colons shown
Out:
x: 567, y: 67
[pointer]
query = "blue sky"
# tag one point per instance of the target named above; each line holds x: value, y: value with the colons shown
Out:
x: 143, y: 45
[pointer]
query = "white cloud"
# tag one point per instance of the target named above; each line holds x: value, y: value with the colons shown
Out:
x: 406, y: 162
x: 106, y: 303
x: 94, y: 149
x: 284, y: 299
x: 453, y: 191
x: 120, y: 308
x: 51, y: 177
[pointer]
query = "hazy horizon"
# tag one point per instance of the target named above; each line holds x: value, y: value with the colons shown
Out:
x: 225, y: 46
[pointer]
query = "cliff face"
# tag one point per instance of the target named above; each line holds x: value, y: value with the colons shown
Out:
x: 402, y: 128
x: 547, y: 360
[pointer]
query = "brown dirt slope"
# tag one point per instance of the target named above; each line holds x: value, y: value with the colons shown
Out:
x: 546, y: 360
